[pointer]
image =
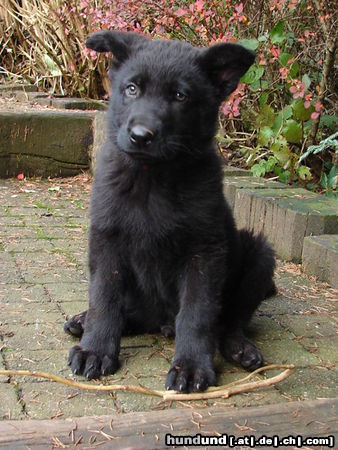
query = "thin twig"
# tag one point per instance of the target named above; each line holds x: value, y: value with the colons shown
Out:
x: 224, y: 391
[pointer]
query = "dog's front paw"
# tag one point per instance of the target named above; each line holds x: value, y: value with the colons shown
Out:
x: 90, y: 364
x: 190, y: 376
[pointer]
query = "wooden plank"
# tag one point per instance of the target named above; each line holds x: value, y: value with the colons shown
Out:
x: 317, y: 418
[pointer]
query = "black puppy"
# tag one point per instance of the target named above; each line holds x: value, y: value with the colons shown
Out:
x: 164, y: 252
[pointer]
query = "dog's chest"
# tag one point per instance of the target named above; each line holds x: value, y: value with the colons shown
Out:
x: 147, y: 208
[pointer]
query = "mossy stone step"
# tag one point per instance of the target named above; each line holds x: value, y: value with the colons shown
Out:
x: 6, y: 89
x: 45, y: 143
x: 233, y: 183
x: 286, y: 216
x: 320, y: 258
x: 230, y: 171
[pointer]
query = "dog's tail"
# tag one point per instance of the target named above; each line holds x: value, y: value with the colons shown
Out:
x: 256, y: 273
x: 258, y: 258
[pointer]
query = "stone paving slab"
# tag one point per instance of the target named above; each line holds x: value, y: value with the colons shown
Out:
x: 44, y: 279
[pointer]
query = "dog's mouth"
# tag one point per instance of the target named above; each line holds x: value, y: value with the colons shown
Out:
x: 139, y: 155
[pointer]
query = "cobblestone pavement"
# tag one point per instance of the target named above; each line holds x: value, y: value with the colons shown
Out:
x: 43, y: 279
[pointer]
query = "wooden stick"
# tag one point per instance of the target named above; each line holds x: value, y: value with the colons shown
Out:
x: 224, y: 391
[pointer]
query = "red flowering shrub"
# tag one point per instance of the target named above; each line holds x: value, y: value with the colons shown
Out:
x: 285, y: 102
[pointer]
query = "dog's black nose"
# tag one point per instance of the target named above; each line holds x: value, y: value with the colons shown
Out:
x: 140, y: 135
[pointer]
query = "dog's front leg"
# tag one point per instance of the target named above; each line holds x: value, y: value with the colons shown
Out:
x: 192, y: 368
x: 99, y: 347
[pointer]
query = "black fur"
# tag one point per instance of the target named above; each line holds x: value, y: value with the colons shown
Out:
x: 164, y: 252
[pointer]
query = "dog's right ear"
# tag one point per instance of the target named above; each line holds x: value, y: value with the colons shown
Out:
x: 119, y: 43
x: 225, y: 64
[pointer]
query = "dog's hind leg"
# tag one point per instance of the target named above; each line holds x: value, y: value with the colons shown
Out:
x: 75, y: 325
x: 253, y: 284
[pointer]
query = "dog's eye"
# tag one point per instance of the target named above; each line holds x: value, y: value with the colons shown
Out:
x: 131, y: 90
x: 179, y: 96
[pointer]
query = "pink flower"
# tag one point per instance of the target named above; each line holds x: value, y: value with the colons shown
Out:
x: 284, y: 73
x: 180, y: 12
x: 262, y: 61
x: 199, y: 5
x: 318, y: 109
x: 276, y: 4
x: 292, y: 4
x: 307, y: 103
x: 298, y: 89
x: 230, y: 108
x: 275, y: 53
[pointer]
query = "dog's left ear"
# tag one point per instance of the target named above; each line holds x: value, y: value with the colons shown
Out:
x: 225, y: 64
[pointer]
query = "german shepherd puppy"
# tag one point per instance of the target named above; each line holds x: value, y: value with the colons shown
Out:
x: 164, y: 252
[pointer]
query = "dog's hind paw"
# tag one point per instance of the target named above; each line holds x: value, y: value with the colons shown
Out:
x: 90, y: 364
x: 190, y: 376
x: 168, y: 331
x: 75, y: 325
x: 241, y: 350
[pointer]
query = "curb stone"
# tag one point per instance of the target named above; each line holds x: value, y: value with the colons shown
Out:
x: 285, y: 216
x: 230, y: 171
x: 231, y: 184
x: 320, y: 258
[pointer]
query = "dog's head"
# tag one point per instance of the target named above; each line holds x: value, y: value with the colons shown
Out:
x: 166, y: 94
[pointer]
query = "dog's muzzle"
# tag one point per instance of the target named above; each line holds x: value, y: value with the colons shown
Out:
x: 141, y: 136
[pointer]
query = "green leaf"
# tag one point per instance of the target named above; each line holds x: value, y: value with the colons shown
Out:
x: 263, y: 98
x: 258, y: 170
x: 221, y: 139
x: 331, y: 194
x: 323, y: 180
x: 304, y: 173
x: 284, y: 58
x: 52, y: 66
x: 281, y: 151
x: 329, y: 121
x: 265, y: 134
x: 253, y: 74
x: 284, y: 176
x: 287, y: 112
x: 294, y: 69
x: 300, y: 112
x: 292, y: 131
x: 277, y: 35
x: 306, y: 80
x: 271, y: 163
x: 251, y: 44
x: 278, y: 122
x: 266, y: 116
x: 332, y: 177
